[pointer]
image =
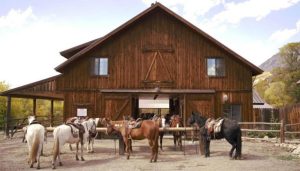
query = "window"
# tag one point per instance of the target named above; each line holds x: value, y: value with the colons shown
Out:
x: 215, y: 67
x: 101, y: 66
x: 232, y: 111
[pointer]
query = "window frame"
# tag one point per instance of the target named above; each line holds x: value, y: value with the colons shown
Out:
x: 216, y: 70
x: 93, y: 66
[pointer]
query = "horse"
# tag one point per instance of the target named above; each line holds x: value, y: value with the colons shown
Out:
x: 35, y: 138
x: 69, y: 133
x: 91, y: 126
x: 148, y: 129
x: 163, y: 122
x: 229, y: 129
x: 176, y: 121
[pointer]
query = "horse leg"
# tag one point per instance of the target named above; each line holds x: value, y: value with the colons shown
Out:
x: 77, y: 147
x: 151, y: 144
x: 233, y: 144
x: 174, y: 139
x: 238, y: 152
x: 161, y: 135
x: 38, y: 156
x: 70, y: 146
x: 127, y: 148
x: 156, y: 149
x: 207, y: 148
x: 92, y: 145
x: 180, y: 142
x: 81, y: 154
x: 88, y: 147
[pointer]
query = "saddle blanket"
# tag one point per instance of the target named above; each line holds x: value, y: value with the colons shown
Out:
x: 217, y: 125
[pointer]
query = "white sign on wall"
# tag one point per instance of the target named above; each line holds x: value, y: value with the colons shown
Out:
x: 81, y: 112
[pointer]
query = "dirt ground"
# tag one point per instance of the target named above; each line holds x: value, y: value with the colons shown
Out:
x: 256, y: 156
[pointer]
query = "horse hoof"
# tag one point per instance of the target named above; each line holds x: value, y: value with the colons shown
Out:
x: 77, y: 158
x: 60, y: 164
x: 82, y: 159
x: 38, y: 167
x: 53, y: 167
x: 31, y: 166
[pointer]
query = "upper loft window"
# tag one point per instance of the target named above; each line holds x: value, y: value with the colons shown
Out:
x: 101, y: 66
x: 216, y: 67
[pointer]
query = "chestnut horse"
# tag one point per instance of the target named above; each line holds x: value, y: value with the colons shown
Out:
x: 176, y: 121
x: 148, y: 129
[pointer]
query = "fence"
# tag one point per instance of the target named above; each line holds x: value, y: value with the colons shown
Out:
x: 16, y: 124
x: 291, y: 115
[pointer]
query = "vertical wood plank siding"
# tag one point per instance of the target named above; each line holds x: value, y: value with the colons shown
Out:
x: 129, y: 64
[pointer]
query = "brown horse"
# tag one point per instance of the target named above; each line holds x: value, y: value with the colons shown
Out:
x: 176, y: 121
x: 148, y: 129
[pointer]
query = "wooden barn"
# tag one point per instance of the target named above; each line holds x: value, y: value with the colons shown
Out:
x: 157, y: 62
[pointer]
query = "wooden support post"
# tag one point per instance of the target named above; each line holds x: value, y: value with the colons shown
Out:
x: 282, y: 131
x: 34, y: 107
x: 282, y: 125
x: 7, y: 117
x: 184, y: 110
x: 51, y: 113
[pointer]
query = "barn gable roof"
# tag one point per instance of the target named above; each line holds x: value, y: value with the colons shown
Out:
x: 82, y: 49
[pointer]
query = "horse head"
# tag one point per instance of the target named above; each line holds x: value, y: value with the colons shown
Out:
x: 91, y: 127
x: 197, y: 119
x: 106, y: 122
x: 31, y: 119
x: 175, y: 120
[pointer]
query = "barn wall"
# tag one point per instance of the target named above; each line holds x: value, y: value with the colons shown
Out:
x: 183, y: 63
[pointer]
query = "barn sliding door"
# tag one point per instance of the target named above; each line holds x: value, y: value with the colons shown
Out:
x: 117, y: 106
x: 203, y: 104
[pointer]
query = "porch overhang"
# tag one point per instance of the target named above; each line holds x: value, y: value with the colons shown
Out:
x: 159, y: 90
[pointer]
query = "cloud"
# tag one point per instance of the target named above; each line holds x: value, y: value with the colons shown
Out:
x: 16, y: 18
x: 191, y: 9
x: 234, y: 13
x: 285, y: 34
x: 258, y: 9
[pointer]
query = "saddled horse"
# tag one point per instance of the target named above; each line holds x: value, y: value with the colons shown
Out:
x: 35, y: 138
x: 229, y: 129
x: 176, y: 121
x: 91, y: 126
x: 69, y: 133
x: 148, y: 129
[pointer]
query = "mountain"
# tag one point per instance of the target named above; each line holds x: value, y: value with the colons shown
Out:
x: 273, y: 62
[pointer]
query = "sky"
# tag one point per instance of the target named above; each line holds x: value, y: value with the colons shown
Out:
x: 33, y: 32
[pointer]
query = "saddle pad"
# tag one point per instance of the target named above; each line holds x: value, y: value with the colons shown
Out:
x: 217, y: 126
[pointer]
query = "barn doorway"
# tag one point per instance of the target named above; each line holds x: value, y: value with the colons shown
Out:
x: 146, y: 106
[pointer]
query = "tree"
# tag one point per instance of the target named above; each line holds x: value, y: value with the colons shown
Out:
x: 290, y: 54
x: 3, y: 87
x: 275, y: 94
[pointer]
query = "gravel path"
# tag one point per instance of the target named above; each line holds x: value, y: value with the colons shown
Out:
x: 256, y: 156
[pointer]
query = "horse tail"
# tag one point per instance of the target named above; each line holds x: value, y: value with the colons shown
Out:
x: 56, y: 145
x: 35, y: 148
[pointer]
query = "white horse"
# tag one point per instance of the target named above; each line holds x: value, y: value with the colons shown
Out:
x: 35, y: 139
x: 91, y: 125
x: 63, y: 134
